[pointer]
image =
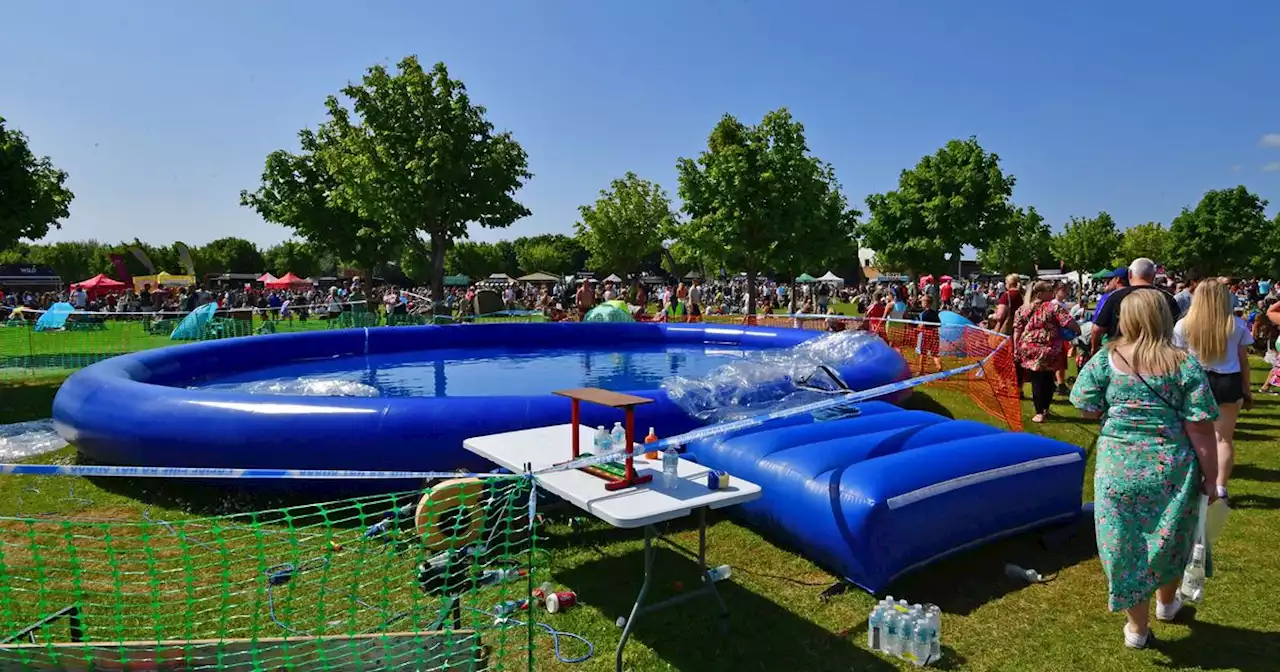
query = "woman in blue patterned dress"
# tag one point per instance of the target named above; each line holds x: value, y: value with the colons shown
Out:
x: 1156, y: 454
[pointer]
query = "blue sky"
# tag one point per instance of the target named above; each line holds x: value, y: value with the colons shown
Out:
x: 163, y: 111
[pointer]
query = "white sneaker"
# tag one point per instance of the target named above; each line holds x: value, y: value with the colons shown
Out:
x: 1168, y: 612
x: 1135, y: 641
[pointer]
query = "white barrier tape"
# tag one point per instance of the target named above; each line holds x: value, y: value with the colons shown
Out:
x: 313, y: 307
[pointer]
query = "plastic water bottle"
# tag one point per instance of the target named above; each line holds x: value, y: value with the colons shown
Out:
x: 670, y: 468
x: 920, y: 643
x: 1028, y: 575
x: 934, y: 615
x: 719, y: 573
x: 893, y: 622
x: 1192, y: 588
x: 886, y: 612
x: 875, y: 624
x: 602, y: 440
x: 619, y: 437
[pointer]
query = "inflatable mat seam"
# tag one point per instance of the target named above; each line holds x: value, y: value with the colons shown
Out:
x: 921, y: 494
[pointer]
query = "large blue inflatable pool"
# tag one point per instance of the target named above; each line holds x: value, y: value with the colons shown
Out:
x: 436, y: 385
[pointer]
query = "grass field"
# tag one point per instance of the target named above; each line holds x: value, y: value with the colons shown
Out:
x: 779, y: 621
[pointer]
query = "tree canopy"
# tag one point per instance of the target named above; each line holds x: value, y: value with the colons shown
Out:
x: 754, y: 190
x: 229, y: 255
x: 291, y: 256
x: 1022, y: 248
x: 1150, y: 240
x: 1086, y: 244
x: 956, y: 197
x: 33, y: 195
x: 1224, y: 234
x: 625, y: 225
x: 416, y: 155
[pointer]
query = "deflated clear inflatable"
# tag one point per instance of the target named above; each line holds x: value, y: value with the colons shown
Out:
x: 769, y: 380
x: 303, y: 387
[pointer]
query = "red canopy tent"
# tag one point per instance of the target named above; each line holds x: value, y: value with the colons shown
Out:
x: 99, y: 285
x: 288, y: 281
x: 267, y: 279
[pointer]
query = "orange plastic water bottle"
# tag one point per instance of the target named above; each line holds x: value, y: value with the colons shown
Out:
x: 652, y: 438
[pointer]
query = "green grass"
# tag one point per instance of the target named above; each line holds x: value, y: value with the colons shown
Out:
x: 779, y: 621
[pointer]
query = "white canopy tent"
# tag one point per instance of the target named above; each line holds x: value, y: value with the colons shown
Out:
x: 613, y: 278
x: 832, y: 278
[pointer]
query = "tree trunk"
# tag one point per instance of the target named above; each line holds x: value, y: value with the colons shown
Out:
x: 437, y: 268
x: 751, y: 295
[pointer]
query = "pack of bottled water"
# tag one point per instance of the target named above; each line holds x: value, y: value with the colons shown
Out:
x: 911, y: 632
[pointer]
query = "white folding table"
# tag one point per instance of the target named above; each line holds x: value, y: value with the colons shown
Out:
x: 637, y: 506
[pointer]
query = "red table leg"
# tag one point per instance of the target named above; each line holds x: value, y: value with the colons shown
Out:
x: 573, y: 414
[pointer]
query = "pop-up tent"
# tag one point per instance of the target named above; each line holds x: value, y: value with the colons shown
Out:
x: 289, y: 281
x: 266, y: 278
x: 99, y: 285
x: 163, y: 279
x: 832, y: 278
x: 55, y: 317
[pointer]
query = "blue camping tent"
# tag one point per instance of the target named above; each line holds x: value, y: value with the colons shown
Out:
x: 191, y: 328
x: 55, y: 317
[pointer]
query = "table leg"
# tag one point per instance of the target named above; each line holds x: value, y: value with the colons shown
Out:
x: 702, y: 566
x: 644, y: 589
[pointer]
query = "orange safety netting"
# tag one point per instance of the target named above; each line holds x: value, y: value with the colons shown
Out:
x: 993, y: 386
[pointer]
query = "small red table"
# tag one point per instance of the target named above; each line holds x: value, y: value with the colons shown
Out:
x: 627, y: 403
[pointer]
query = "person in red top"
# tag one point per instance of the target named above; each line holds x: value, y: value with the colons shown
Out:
x: 1038, y: 344
x: 876, y: 313
x: 944, y: 292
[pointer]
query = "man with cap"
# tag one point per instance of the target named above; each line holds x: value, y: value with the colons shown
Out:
x: 1142, y: 276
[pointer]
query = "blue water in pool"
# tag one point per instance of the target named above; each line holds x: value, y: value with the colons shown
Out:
x: 480, y: 372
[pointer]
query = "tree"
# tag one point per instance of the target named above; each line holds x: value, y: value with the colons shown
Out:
x: 472, y: 259
x: 298, y: 191
x: 750, y: 191
x: 625, y: 225
x: 230, y: 255
x: 1150, y: 240
x: 32, y: 193
x: 956, y: 197
x: 554, y: 253
x: 291, y: 256
x: 1024, y: 247
x: 416, y: 155
x: 1086, y: 244
x: 1223, y: 235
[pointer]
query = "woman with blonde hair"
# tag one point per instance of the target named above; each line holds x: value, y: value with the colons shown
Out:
x: 1039, y: 345
x: 1220, y: 340
x: 1156, y: 454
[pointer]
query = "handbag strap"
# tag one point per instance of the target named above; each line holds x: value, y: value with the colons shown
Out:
x: 1154, y: 391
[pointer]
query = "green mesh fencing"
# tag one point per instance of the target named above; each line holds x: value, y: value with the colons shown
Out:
x: 406, y: 581
x: 87, y: 338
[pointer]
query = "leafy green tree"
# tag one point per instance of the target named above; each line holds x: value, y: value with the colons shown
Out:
x: 956, y: 197
x: 297, y: 191
x: 554, y: 253
x: 416, y: 155
x: 1086, y: 244
x: 625, y: 225
x: 472, y: 259
x: 229, y: 255
x: 291, y: 256
x: 1150, y: 240
x: 32, y: 193
x: 1022, y: 248
x: 73, y: 260
x: 750, y: 192
x: 1223, y: 235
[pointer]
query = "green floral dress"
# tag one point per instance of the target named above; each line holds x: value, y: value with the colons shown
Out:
x: 1146, y: 481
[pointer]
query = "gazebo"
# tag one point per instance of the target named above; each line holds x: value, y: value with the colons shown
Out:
x: 100, y: 284
x: 289, y: 281
x: 539, y: 276
x: 832, y: 278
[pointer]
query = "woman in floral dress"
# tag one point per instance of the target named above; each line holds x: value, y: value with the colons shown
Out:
x: 1039, y: 344
x: 1156, y: 454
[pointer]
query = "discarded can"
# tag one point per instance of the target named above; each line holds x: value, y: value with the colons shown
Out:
x: 541, y: 592
x: 558, y: 602
x: 510, y: 607
x: 717, y: 479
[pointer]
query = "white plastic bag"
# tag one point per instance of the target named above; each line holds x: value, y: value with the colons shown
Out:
x: 1271, y: 355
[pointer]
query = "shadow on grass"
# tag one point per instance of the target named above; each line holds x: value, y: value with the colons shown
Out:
x: 1251, y: 472
x: 28, y: 398
x: 1261, y: 502
x: 762, y: 635
x: 1220, y: 647
x: 921, y: 401
x: 1047, y: 552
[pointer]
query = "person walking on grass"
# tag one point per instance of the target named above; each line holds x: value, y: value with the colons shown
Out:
x: 1039, y: 346
x: 1156, y: 454
x: 1221, y: 341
